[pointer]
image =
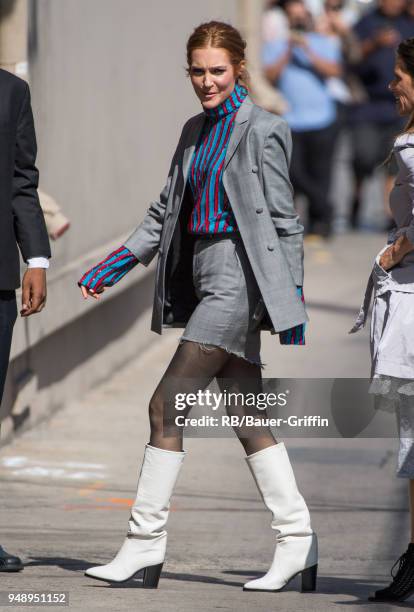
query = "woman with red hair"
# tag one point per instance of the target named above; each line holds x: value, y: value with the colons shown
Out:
x: 230, y: 263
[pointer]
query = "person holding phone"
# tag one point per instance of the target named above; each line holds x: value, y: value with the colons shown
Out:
x: 305, y: 62
x: 374, y: 121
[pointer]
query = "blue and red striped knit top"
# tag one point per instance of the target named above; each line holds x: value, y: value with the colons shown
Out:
x: 212, y: 212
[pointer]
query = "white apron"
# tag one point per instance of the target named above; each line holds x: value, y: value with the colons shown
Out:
x: 392, y: 323
x: 392, y: 354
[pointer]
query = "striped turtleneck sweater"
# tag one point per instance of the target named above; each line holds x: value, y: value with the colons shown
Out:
x: 212, y: 212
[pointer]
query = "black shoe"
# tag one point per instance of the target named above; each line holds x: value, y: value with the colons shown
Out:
x: 9, y: 563
x: 402, y: 585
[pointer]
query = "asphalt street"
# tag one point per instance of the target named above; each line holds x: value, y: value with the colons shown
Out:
x: 67, y: 484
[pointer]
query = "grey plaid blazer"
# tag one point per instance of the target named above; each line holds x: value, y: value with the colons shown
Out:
x: 256, y: 180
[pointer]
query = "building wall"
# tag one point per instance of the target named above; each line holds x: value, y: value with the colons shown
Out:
x: 110, y: 96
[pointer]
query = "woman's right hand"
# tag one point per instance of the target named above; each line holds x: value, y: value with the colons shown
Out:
x: 86, y: 292
x: 107, y: 272
x: 395, y: 252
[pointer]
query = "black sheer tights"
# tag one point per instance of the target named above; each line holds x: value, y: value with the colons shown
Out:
x: 191, y: 369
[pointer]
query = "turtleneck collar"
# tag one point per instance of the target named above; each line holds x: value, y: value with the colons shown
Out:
x: 230, y: 104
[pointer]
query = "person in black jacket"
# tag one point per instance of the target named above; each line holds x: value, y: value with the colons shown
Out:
x: 21, y: 225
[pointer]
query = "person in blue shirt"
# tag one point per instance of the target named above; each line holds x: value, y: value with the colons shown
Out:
x: 300, y: 67
x: 375, y: 122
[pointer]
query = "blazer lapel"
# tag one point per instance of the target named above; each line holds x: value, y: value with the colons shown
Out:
x: 190, y: 143
x: 240, y: 125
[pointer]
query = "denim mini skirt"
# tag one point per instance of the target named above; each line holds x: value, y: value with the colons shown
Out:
x: 228, y: 298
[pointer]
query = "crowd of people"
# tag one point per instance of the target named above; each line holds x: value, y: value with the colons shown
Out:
x: 332, y: 62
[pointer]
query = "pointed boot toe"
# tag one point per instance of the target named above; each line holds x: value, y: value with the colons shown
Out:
x: 296, y: 544
x: 145, y: 545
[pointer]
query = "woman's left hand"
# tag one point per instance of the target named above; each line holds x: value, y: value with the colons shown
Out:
x: 395, y: 252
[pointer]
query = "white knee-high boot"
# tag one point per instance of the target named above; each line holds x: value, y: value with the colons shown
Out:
x: 145, y: 544
x: 296, y: 544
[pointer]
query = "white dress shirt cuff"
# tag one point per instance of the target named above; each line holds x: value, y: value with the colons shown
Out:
x: 38, y: 262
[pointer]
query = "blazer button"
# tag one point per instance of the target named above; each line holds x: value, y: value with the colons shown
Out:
x: 259, y: 210
x: 270, y: 247
x: 160, y: 251
x: 255, y: 169
x: 169, y: 215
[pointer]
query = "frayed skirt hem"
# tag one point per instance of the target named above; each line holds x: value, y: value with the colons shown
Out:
x: 208, y: 346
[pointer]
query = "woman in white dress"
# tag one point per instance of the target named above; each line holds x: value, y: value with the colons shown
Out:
x: 392, y: 324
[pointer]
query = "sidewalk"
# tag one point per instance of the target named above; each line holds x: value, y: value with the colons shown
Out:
x: 67, y: 486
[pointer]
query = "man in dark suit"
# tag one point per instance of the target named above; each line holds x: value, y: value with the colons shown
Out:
x: 21, y: 225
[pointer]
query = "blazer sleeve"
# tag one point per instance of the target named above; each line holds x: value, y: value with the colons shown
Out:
x: 278, y: 193
x: 29, y: 224
x: 145, y: 239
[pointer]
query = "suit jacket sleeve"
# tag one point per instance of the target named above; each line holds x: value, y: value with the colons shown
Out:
x: 29, y: 224
x: 279, y: 196
x: 145, y: 239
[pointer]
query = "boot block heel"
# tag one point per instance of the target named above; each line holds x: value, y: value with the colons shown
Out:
x: 152, y: 576
x: 309, y: 579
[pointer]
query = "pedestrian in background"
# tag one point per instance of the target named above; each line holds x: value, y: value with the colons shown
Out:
x: 336, y: 22
x: 392, y: 331
x: 301, y: 67
x: 230, y: 247
x: 21, y: 225
x: 374, y: 122
x: 409, y: 11
x: 275, y: 25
